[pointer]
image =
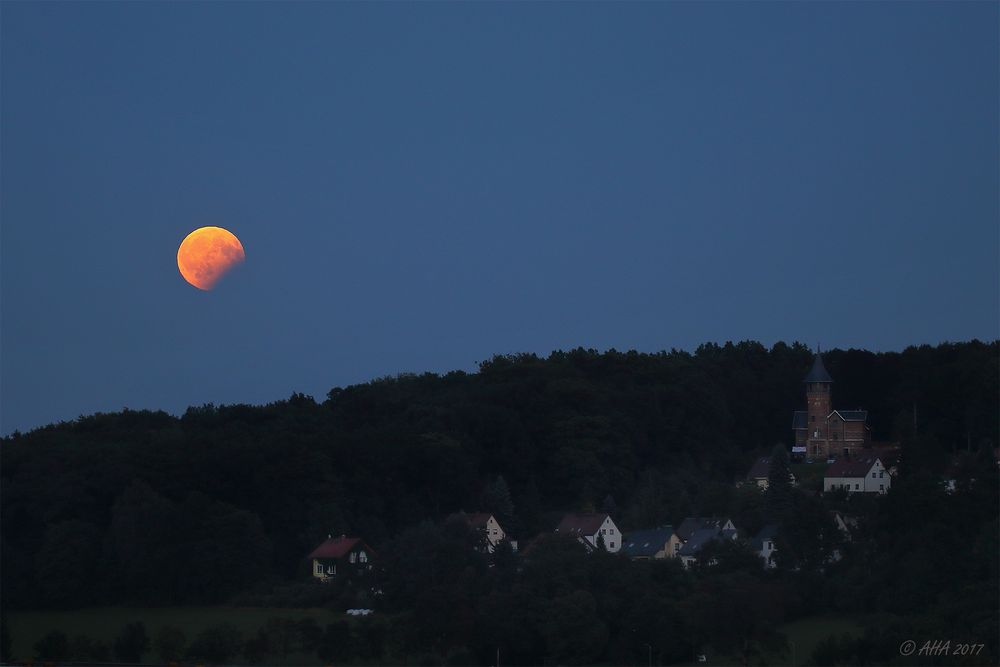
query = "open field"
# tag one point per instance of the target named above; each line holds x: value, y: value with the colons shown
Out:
x: 104, y: 623
x: 804, y: 635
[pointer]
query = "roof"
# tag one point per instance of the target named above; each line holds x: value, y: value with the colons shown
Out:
x: 852, y: 415
x: 799, y: 420
x: 699, y: 539
x: 337, y: 547
x: 846, y: 468
x: 760, y: 468
x: 647, y: 542
x: 581, y: 524
x: 768, y: 532
x: 818, y: 371
x: 690, y: 525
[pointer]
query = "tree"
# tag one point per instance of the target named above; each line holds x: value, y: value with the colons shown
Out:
x: 216, y: 644
x: 85, y: 649
x: 497, y: 501
x: 53, y: 647
x: 5, y: 640
x: 574, y: 633
x: 779, y: 485
x: 169, y: 644
x: 132, y: 642
x: 63, y: 586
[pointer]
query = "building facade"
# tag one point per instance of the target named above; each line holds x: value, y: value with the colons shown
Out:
x: 824, y: 432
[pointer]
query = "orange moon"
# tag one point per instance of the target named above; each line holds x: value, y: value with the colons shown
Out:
x: 207, y: 254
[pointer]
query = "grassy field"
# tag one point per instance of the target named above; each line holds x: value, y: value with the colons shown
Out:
x: 808, y: 632
x: 804, y: 634
x: 106, y: 622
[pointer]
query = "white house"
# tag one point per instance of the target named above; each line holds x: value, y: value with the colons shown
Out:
x: 861, y: 475
x: 490, y: 528
x: 589, y: 528
x: 763, y: 544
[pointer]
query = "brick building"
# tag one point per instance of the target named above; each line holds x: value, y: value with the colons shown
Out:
x: 823, y: 431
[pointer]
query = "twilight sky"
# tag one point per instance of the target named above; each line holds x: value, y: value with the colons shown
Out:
x: 421, y: 186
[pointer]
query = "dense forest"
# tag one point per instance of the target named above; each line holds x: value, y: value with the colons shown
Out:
x: 224, y: 502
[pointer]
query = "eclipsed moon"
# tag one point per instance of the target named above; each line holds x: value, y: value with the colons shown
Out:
x: 207, y: 254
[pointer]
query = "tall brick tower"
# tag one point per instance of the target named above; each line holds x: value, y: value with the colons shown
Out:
x: 818, y: 407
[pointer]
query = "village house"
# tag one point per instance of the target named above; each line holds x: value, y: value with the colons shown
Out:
x: 488, y: 527
x: 340, y: 555
x: 759, y: 473
x: 695, y: 532
x: 591, y: 528
x: 688, y: 553
x: 763, y: 544
x: 652, y: 544
x: 862, y: 475
x: 823, y: 431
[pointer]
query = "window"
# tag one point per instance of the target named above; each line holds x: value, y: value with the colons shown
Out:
x: 881, y: 475
x: 611, y: 531
x: 881, y: 487
x: 857, y: 486
x: 812, y: 418
x: 612, y: 545
x: 363, y: 557
x: 354, y: 557
x: 873, y: 475
x: 318, y: 567
x: 604, y: 531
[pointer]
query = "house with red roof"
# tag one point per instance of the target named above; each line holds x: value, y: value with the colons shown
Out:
x: 340, y: 555
x: 590, y: 528
x: 864, y: 474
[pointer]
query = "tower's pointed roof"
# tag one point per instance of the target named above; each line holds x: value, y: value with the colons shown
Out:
x: 818, y: 372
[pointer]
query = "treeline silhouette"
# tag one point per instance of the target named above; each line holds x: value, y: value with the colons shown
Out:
x: 153, y: 509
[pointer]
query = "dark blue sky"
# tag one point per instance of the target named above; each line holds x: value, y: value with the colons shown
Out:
x: 421, y: 186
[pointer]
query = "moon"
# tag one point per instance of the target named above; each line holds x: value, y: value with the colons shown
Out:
x: 207, y: 254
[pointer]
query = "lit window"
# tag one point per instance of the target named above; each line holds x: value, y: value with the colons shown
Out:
x: 354, y: 557
x: 318, y: 568
x: 363, y: 557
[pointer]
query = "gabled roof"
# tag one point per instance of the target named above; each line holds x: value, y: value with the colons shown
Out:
x: 768, y: 532
x: 799, y: 422
x: 855, y: 468
x: 818, y: 371
x: 760, y: 468
x: 588, y: 523
x: 691, y: 525
x: 647, y: 542
x: 699, y: 539
x: 851, y: 415
x: 338, y: 547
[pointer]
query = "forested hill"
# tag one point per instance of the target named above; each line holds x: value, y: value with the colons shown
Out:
x: 241, y: 493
